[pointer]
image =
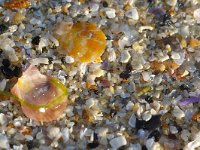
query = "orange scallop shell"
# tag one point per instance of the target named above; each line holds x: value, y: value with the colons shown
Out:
x: 85, y: 42
x: 37, y: 89
x: 17, y: 4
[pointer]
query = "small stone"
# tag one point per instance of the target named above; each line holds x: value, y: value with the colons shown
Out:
x: 6, y: 62
x: 125, y: 56
x: 135, y: 147
x: 3, y: 84
x: 3, y: 28
x: 146, y: 76
x: 36, y: 40
x: 178, y: 113
x: 132, y: 121
x: 3, y: 119
x: 90, y: 102
x: 175, y: 55
x: 18, y: 18
x: 173, y: 129
x: 146, y: 116
x: 118, y: 142
x: 196, y: 14
x: 65, y: 134
x: 110, y: 12
x: 69, y: 59
x: 133, y: 14
x: 185, y: 31
x: 172, y: 2
x: 4, y: 144
x: 156, y: 134
x: 53, y: 132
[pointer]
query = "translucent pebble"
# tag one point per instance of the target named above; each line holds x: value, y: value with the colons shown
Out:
x: 3, y: 119
x: 135, y: 147
x: 4, y: 143
x: 132, y: 121
x: 53, y: 132
x: 84, y: 42
x: 125, y: 56
x: 172, y: 2
x: 133, y: 14
x: 146, y: 76
x: 178, y: 113
x: 110, y: 12
x: 197, y: 14
x: 175, y: 55
x: 118, y: 142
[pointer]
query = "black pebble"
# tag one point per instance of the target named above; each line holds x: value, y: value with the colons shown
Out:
x: 144, y: 147
x: 17, y: 72
x: 156, y: 134
x: 129, y: 67
x: 150, y: 125
x: 184, y: 87
x: 6, y: 62
x: 148, y: 98
x: 3, y: 28
x: 36, y: 40
x: 93, y: 145
x: 7, y: 72
x: 105, y: 4
x: 125, y: 75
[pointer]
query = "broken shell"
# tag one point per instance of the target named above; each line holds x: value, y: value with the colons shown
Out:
x: 85, y: 42
x: 42, y: 98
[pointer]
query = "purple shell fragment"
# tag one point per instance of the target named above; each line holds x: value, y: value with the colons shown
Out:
x: 189, y: 100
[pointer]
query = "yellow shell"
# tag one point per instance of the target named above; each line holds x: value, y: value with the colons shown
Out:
x: 85, y: 42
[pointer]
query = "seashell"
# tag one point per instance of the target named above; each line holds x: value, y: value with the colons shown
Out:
x: 85, y: 42
x: 43, y: 98
x: 17, y: 4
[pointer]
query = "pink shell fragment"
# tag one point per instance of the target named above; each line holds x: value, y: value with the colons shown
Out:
x: 37, y: 89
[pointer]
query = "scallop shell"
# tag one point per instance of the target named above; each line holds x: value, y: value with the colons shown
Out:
x: 85, y: 42
x: 17, y: 4
x: 43, y: 98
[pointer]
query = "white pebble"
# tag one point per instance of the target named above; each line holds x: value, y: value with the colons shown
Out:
x: 194, y: 144
x: 3, y: 119
x: 69, y: 59
x: 175, y: 55
x: 146, y: 76
x: 3, y: 84
x: 178, y: 113
x: 4, y: 144
x: 197, y: 14
x: 118, y: 142
x: 173, y: 129
x: 53, y: 132
x: 132, y: 121
x: 37, y: 61
x: 146, y: 116
x: 171, y: 2
x: 90, y: 102
x: 133, y: 14
x: 94, y: 7
x: 135, y: 147
x: 65, y: 134
x: 111, y: 56
x: 110, y: 12
x: 125, y: 56
x: 129, y: 106
x: 149, y: 143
